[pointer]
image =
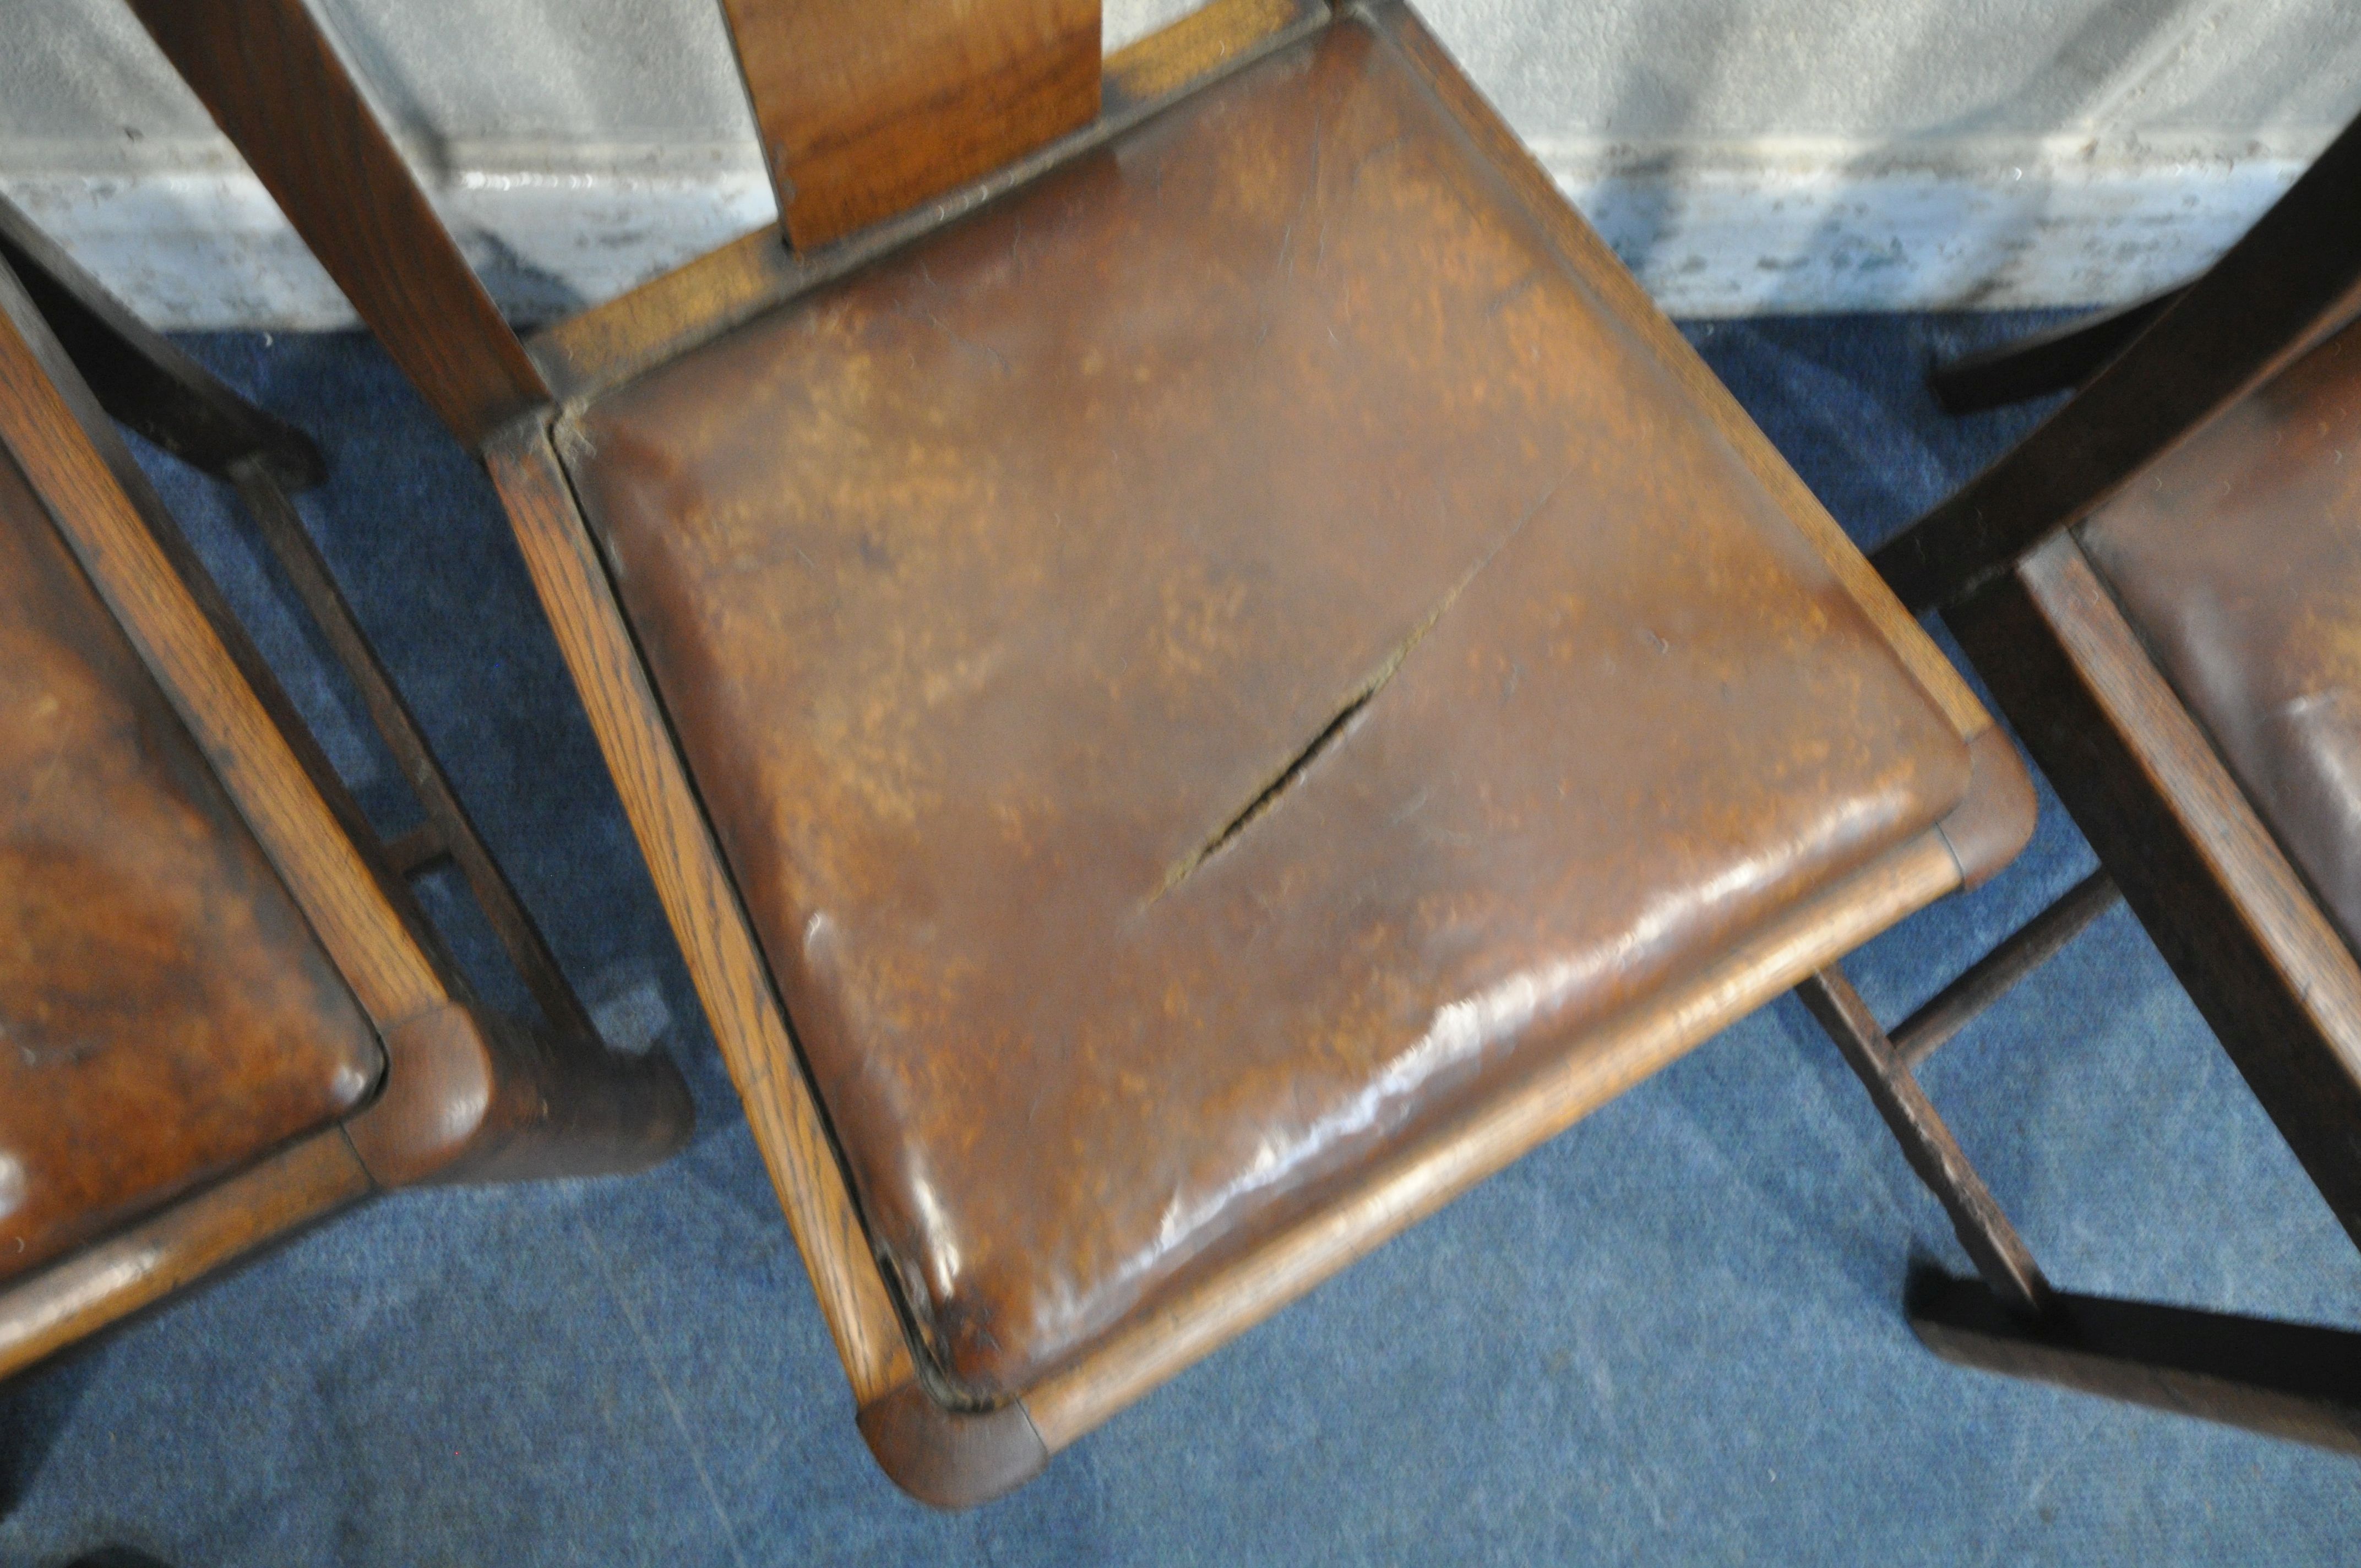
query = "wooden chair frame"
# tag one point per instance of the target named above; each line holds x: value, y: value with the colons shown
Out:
x: 275, y: 84
x: 2173, y: 830
x: 466, y: 1095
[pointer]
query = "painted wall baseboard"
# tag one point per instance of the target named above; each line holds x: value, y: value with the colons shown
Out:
x: 1728, y: 239
x: 1729, y: 231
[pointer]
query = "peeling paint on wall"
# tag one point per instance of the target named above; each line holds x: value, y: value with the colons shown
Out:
x: 1707, y: 238
x: 1811, y: 155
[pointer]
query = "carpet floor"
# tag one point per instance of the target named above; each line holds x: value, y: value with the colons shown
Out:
x: 1672, y: 1335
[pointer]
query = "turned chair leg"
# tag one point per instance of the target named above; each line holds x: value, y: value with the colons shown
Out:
x: 2301, y: 1382
x: 2058, y: 360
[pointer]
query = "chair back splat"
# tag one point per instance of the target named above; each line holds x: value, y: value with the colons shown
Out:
x: 859, y: 121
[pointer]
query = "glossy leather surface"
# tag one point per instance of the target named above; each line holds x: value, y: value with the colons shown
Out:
x: 1213, y: 665
x: 165, y: 1012
x: 2237, y: 558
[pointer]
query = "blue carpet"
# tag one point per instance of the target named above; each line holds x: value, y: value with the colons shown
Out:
x: 1672, y: 1335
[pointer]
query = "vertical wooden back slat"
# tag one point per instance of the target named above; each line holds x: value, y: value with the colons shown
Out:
x: 277, y: 89
x: 867, y: 109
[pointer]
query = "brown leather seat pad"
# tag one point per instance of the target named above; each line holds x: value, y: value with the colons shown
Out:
x: 165, y: 1012
x: 2237, y: 558
x: 1217, y: 662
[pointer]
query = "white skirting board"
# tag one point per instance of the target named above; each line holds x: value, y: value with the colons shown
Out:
x: 1724, y: 230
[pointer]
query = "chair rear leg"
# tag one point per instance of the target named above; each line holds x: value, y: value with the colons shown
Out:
x: 140, y: 378
x: 2058, y: 360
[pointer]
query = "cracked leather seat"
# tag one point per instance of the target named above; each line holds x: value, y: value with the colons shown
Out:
x: 1212, y: 672
x: 1195, y: 666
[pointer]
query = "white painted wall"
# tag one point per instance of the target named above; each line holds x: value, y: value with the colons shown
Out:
x: 1743, y: 155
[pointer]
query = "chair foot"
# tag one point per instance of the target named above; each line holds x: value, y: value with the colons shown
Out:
x: 2297, y: 1381
x: 2058, y: 360
x: 470, y: 1097
x: 951, y: 1459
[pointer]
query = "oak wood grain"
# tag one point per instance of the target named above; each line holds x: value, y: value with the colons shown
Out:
x: 110, y: 1280
x: 603, y: 348
x: 166, y: 1015
x: 102, y: 506
x: 1150, y: 70
x: 703, y: 906
x: 2225, y: 906
x: 865, y: 112
x: 274, y: 86
x: 756, y: 643
x: 2189, y: 776
x: 522, y: 1109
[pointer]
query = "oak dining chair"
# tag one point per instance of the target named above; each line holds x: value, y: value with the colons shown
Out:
x: 223, y: 1014
x: 1196, y: 666
x: 2161, y: 586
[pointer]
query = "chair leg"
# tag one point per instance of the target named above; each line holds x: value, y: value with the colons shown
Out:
x: 472, y: 1099
x: 1992, y: 1244
x: 448, y: 833
x: 468, y: 1097
x: 2058, y: 360
x: 138, y: 377
x: 2295, y: 1381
